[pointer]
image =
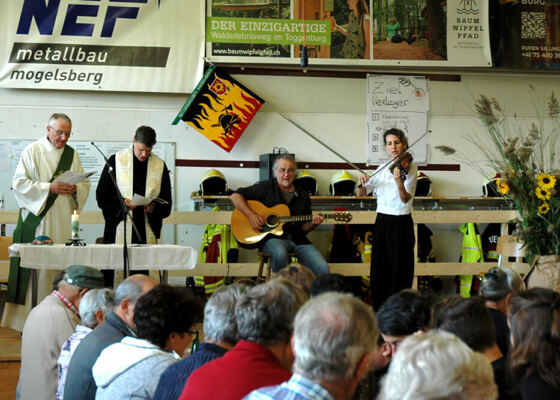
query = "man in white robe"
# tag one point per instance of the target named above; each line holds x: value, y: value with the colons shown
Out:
x: 31, y: 187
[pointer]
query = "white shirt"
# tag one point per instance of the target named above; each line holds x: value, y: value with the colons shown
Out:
x: 383, y: 185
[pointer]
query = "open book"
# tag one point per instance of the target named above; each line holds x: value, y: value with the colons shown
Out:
x: 72, y: 178
x: 138, y: 200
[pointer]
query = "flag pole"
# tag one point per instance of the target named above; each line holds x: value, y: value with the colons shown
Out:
x: 301, y: 128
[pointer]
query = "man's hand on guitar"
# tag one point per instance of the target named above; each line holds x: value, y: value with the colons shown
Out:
x: 317, y: 219
x: 256, y: 221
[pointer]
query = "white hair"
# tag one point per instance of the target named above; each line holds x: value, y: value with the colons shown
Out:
x: 94, y: 300
x: 438, y: 365
x: 332, y: 333
x: 56, y: 116
x: 219, y: 314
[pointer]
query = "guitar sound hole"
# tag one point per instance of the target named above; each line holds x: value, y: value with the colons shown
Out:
x: 272, y: 220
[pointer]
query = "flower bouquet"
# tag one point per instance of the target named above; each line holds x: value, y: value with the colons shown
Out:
x: 526, y: 158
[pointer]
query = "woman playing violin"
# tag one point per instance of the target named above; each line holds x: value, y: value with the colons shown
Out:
x: 392, y: 261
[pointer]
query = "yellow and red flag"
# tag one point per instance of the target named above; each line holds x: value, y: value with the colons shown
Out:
x: 220, y: 108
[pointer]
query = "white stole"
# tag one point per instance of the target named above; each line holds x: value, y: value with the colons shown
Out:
x: 124, y: 169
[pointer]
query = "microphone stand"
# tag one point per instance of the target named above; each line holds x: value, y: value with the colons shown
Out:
x: 125, y: 211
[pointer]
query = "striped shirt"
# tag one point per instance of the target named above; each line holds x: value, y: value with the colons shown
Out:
x: 297, y: 388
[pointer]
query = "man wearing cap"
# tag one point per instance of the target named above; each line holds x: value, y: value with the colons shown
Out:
x: 45, y: 209
x: 281, y: 190
x: 46, y: 329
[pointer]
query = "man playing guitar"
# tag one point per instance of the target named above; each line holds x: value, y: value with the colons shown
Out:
x: 281, y: 190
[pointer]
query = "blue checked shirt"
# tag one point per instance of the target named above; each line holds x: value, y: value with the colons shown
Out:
x: 297, y: 388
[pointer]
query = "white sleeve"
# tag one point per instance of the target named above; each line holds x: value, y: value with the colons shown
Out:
x: 29, y: 191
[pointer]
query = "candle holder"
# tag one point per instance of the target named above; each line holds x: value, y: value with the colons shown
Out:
x: 75, y: 242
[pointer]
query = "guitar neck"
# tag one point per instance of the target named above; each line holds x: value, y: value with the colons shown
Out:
x: 302, y: 218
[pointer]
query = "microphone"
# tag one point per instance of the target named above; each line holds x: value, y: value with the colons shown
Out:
x: 99, y: 150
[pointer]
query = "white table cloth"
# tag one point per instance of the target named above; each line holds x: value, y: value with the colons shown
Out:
x: 106, y: 256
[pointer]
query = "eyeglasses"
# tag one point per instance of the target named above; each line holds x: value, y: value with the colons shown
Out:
x: 282, y: 171
x: 60, y: 133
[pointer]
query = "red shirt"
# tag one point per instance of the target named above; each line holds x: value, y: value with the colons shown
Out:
x: 248, y: 366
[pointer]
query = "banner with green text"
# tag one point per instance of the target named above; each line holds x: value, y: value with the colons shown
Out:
x: 357, y: 32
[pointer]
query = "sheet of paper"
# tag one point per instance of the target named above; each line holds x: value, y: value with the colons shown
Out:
x: 72, y: 178
x: 139, y: 200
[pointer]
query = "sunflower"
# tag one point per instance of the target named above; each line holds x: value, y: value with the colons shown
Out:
x: 544, y: 208
x: 542, y: 193
x: 546, y: 181
x: 503, y: 187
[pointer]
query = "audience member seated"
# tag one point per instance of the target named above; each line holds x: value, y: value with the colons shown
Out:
x: 118, y: 324
x: 263, y: 356
x: 470, y: 321
x: 400, y: 316
x: 438, y: 365
x: 220, y: 335
x: 534, y: 356
x: 300, y: 275
x: 94, y: 306
x: 47, y: 327
x: 164, y: 319
x: 330, y: 283
x: 497, y: 287
x: 334, y: 336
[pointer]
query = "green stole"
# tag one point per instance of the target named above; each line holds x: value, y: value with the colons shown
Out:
x: 25, y: 233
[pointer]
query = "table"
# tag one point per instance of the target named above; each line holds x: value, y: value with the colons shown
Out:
x: 163, y: 257
x: 107, y: 256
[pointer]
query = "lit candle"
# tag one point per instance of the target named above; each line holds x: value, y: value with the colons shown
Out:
x: 75, y: 225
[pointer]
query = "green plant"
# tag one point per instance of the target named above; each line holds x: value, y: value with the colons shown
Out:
x: 525, y: 156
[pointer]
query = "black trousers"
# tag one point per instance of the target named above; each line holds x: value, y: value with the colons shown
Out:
x: 392, y: 258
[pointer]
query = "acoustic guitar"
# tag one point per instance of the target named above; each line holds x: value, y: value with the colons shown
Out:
x: 274, y: 218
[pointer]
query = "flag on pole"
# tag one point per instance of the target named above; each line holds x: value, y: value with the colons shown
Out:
x: 220, y: 108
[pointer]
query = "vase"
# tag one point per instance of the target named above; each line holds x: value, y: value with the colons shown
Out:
x: 545, y: 272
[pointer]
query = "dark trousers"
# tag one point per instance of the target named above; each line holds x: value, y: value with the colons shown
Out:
x: 392, y: 258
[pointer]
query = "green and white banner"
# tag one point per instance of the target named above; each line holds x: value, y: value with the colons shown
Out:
x: 350, y: 32
x: 132, y: 45
x: 267, y: 31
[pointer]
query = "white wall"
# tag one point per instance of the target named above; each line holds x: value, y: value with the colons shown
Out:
x: 332, y: 109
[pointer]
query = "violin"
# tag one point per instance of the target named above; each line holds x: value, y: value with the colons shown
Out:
x: 402, y: 162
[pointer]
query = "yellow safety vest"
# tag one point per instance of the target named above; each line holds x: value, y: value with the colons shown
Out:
x: 216, y: 242
x: 471, y: 253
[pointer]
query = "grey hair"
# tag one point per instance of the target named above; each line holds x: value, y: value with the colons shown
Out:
x: 219, y: 314
x: 130, y: 289
x: 332, y: 333
x: 265, y: 313
x: 93, y: 300
x: 499, y: 282
x: 438, y: 365
x: 285, y: 157
x: 56, y: 116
